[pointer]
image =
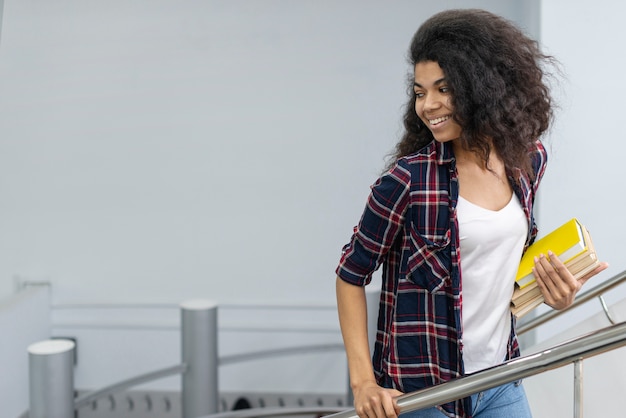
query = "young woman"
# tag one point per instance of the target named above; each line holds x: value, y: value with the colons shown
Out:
x: 449, y: 221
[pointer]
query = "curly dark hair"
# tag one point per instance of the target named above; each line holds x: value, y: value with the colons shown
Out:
x: 496, y: 75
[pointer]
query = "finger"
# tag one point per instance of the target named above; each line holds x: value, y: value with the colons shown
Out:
x: 544, y: 285
x: 549, y: 282
x: 558, y: 266
x: 560, y: 286
x: 396, y: 393
x: 360, y: 411
x: 381, y: 409
x: 396, y: 407
x: 390, y: 410
x: 376, y: 408
x: 541, y: 275
x: 565, y: 280
x: 559, y: 279
x: 365, y: 412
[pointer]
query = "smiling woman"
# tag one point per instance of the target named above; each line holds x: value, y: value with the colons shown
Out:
x: 459, y: 190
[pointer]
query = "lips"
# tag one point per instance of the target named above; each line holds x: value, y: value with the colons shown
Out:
x: 438, y: 120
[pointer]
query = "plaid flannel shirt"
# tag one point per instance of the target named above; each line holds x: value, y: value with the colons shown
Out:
x: 409, y: 226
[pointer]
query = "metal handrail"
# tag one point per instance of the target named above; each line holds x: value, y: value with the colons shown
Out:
x: 589, y: 345
x: 582, y: 298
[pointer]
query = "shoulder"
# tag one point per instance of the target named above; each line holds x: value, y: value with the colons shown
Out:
x: 426, y: 170
x: 433, y: 153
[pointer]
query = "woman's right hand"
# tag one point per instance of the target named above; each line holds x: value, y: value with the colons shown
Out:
x: 370, y: 400
x: 373, y: 401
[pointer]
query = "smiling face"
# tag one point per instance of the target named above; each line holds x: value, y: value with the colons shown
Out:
x: 433, y: 102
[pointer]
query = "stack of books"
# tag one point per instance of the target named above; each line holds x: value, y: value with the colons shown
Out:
x: 572, y: 243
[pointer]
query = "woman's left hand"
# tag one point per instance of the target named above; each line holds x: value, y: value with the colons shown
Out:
x: 558, y: 285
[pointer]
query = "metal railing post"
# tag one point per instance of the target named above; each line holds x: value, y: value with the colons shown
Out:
x: 51, y: 379
x: 200, y: 395
x: 578, y: 388
x: 606, y: 310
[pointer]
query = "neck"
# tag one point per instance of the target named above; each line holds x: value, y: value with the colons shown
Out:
x: 467, y: 158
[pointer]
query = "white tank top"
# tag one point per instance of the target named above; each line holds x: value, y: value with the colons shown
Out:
x: 491, y: 246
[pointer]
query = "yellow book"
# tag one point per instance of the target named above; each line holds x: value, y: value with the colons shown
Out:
x: 567, y: 242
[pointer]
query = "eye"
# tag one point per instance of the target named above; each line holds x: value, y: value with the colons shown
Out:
x: 444, y: 89
x: 419, y: 94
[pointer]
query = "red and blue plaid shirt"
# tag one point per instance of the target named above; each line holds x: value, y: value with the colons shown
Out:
x: 409, y: 226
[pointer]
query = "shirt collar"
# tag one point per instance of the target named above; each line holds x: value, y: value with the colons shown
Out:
x: 443, y: 151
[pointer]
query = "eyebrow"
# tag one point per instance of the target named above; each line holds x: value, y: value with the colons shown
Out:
x: 436, y: 83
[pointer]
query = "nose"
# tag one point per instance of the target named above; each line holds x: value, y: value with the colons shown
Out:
x: 432, y: 102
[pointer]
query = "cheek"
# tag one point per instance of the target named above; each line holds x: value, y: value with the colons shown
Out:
x: 419, y: 111
x: 418, y: 108
x: 448, y: 104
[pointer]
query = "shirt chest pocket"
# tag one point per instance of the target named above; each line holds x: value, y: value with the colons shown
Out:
x: 428, y: 260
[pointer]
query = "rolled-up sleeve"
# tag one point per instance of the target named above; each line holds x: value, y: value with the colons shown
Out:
x: 382, y: 220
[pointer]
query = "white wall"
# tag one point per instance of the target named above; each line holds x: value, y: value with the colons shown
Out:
x: 155, y: 150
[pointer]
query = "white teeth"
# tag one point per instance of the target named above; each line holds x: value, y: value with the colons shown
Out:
x: 438, y: 120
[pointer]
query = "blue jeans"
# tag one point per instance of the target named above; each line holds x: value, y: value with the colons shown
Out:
x: 508, y: 400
